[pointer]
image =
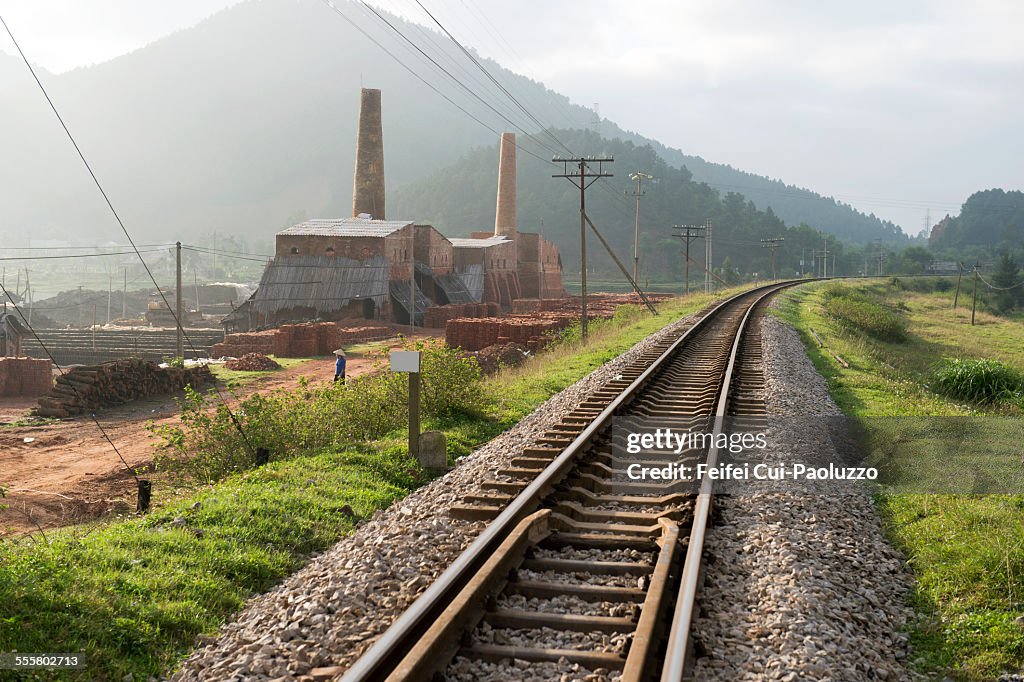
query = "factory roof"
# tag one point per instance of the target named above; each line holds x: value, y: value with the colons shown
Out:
x: 324, y: 283
x: 347, y: 227
x: 463, y: 243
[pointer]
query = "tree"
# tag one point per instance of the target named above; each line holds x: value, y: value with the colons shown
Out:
x: 1005, y: 279
x: 729, y: 273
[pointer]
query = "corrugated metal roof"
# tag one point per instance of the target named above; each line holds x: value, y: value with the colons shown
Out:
x: 455, y: 289
x: 325, y: 283
x: 472, y: 277
x: 397, y: 288
x: 347, y: 227
x: 464, y: 243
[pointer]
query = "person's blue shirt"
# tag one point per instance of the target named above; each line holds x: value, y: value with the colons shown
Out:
x: 339, y: 366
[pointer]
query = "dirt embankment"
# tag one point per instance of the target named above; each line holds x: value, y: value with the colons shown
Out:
x: 66, y: 472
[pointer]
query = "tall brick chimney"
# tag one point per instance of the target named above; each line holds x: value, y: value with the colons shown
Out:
x: 505, y: 215
x: 368, y: 190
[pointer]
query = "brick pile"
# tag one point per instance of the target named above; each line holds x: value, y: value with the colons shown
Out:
x: 25, y: 376
x: 301, y: 340
x: 252, y: 362
x: 533, y: 320
x: 531, y: 332
x: 437, y: 316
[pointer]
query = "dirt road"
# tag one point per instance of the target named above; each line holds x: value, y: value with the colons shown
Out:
x: 66, y: 472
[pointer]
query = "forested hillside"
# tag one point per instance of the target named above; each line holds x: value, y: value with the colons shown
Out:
x: 990, y: 221
x: 460, y: 199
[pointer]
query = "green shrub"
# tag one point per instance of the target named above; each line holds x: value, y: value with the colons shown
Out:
x: 207, y: 444
x: 870, y: 317
x: 979, y: 381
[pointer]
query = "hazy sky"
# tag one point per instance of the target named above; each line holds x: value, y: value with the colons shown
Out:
x: 895, y: 107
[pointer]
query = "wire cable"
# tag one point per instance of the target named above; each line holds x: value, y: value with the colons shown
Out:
x: 117, y: 216
x: 60, y: 369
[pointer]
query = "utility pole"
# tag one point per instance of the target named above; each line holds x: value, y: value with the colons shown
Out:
x: 772, y: 243
x: 180, y: 347
x: 583, y: 178
x: 110, y: 293
x: 639, y: 177
x: 824, y: 261
x: 959, y: 274
x: 708, y: 262
x: 124, y: 296
x: 974, y: 302
x: 692, y: 232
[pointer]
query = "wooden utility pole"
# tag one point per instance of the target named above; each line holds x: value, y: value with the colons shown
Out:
x: 180, y: 347
x: 974, y: 302
x: 110, y: 293
x: 583, y: 178
x: 824, y: 261
x: 772, y: 243
x: 639, y: 177
x: 959, y: 274
x: 692, y: 232
x: 124, y: 296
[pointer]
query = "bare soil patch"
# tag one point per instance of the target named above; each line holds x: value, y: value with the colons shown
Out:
x: 65, y: 472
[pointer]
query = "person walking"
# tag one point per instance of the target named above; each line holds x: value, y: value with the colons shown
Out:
x: 339, y: 366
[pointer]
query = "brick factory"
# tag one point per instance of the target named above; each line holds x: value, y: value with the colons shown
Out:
x: 361, y: 268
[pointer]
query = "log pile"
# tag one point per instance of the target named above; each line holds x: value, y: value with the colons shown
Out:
x: 89, y: 387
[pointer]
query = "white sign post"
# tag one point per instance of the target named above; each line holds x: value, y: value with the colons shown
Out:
x: 409, y: 361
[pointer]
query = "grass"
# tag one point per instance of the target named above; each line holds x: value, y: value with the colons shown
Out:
x: 134, y: 594
x: 966, y: 550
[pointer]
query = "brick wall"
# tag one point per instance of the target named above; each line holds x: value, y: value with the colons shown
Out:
x: 25, y: 376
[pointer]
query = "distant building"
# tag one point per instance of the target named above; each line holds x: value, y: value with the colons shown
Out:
x: 361, y: 267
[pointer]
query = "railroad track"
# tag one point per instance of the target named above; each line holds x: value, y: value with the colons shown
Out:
x: 583, y: 569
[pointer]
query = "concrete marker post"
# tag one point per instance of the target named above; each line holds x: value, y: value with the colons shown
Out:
x: 409, y: 361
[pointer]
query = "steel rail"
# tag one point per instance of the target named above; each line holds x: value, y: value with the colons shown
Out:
x: 376, y: 663
x: 679, y: 636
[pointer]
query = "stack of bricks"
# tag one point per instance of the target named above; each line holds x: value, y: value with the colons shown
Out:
x: 301, y: 340
x: 25, y: 377
x: 438, y: 316
x: 531, y: 332
x: 237, y: 345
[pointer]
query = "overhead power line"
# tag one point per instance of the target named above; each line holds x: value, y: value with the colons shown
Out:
x: 117, y: 217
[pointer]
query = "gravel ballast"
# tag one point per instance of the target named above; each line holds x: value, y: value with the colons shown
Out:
x: 800, y: 584
x: 329, y: 612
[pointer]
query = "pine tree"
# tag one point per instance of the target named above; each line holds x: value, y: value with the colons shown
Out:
x: 1005, y: 277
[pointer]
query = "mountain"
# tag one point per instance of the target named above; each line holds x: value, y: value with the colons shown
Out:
x: 461, y: 198
x: 792, y: 204
x: 248, y: 119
